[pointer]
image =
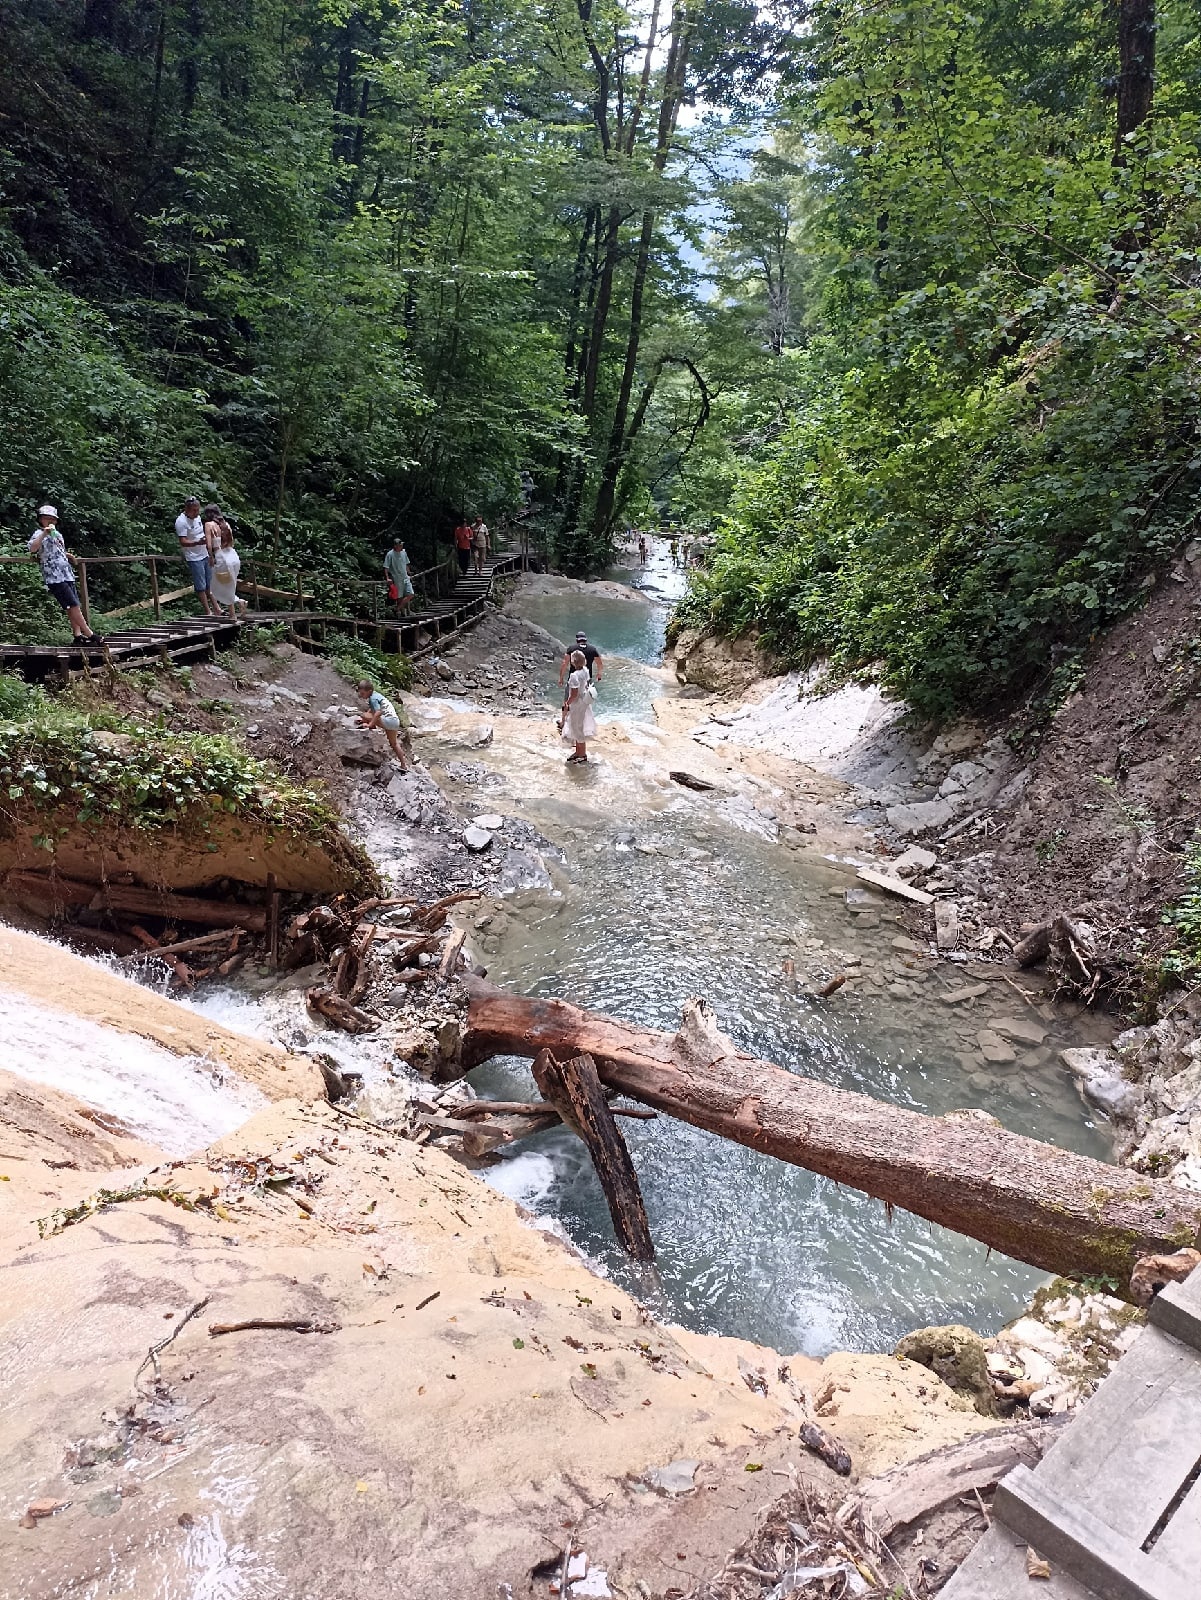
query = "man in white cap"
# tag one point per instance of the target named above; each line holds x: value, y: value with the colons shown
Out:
x: 50, y: 551
x: 189, y: 530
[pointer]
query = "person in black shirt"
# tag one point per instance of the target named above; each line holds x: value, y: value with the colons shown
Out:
x: 592, y: 660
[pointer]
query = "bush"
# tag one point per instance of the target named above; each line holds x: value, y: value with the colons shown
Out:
x: 355, y: 660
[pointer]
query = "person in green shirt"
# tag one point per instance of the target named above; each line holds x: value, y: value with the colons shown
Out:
x: 400, y: 585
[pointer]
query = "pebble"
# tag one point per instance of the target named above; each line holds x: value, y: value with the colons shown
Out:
x: 1019, y: 1029
x: 969, y: 991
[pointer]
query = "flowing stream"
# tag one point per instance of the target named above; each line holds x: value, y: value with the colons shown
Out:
x: 685, y: 900
x: 660, y: 894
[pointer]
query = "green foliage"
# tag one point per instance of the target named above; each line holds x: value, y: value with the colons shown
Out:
x: 989, y: 441
x: 31, y: 614
x: 18, y: 700
x: 1183, y: 961
x: 355, y: 660
x: 56, y: 764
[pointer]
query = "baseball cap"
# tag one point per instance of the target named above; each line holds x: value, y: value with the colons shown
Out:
x: 47, y: 511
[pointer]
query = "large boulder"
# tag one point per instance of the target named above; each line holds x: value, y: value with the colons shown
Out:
x: 957, y: 1356
x: 722, y: 666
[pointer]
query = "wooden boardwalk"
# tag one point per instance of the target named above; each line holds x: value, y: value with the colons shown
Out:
x: 1115, y: 1505
x: 186, y: 639
x: 192, y: 638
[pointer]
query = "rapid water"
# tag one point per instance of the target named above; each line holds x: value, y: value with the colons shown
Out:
x: 688, y: 902
x: 177, y: 1103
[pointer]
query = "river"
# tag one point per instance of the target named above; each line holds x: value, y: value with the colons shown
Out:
x: 678, y: 899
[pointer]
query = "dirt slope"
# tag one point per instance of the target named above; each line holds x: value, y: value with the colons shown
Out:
x: 1110, y: 797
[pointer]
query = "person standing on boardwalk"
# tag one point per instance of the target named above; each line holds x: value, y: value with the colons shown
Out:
x: 379, y: 712
x: 579, y: 724
x: 193, y: 542
x: 48, y: 547
x: 400, y: 585
x: 226, y: 563
x: 464, y: 539
x: 479, y: 543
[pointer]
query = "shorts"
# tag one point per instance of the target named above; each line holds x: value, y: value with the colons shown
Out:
x: 391, y: 723
x: 65, y: 593
x: 202, y: 574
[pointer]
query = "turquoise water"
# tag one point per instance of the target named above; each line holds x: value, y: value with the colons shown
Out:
x: 652, y: 910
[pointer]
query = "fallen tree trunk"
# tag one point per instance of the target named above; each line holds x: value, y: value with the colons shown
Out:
x: 1059, y: 1211
x: 574, y: 1088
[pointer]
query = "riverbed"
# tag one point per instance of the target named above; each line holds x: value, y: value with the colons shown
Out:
x: 662, y: 894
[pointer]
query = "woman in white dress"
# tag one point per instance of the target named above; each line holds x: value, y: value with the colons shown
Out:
x: 227, y: 564
x: 579, y: 725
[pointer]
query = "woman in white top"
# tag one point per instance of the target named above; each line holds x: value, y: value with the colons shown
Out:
x: 227, y: 564
x: 579, y: 725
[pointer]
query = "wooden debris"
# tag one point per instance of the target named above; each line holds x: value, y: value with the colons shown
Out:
x: 1034, y: 947
x: 834, y: 985
x: 339, y: 1011
x: 689, y: 780
x: 285, y: 1324
x: 897, y: 886
x: 202, y: 941
x: 1051, y: 1208
x: 449, y: 964
x: 836, y: 1456
x: 574, y: 1088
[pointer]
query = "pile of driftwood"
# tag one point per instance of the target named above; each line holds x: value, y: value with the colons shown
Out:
x: 113, y: 916
x: 353, y: 939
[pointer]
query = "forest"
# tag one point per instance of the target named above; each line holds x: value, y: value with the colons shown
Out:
x: 896, y: 303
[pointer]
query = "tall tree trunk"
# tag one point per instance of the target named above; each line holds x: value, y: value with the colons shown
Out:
x: 1056, y: 1210
x: 619, y: 442
x: 1136, y: 70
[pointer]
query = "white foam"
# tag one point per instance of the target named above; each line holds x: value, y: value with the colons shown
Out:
x: 180, y: 1103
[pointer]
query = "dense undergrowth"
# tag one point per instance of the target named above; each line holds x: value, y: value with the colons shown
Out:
x: 990, y: 443
x: 62, y: 767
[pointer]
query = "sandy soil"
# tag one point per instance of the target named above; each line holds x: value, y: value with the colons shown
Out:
x: 467, y: 1394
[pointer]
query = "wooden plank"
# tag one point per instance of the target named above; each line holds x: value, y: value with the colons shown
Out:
x: 897, y: 886
x: 1176, y: 1310
x: 155, y: 603
x: 1068, y: 1535
x: 996, y: 1570
x: 1136, y: 1440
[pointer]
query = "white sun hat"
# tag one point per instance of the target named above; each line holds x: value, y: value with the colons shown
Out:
x: 47, y: 511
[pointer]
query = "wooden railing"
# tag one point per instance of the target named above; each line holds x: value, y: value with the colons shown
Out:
x: 157, y: 598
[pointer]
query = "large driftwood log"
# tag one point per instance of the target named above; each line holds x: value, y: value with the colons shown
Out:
x: 1056, y: 1210
x: 573, y: 1087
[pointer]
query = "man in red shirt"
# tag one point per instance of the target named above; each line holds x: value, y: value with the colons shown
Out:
x: 464, y: 536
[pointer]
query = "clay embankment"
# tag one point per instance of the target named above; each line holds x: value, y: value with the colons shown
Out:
x: 441, y: 1392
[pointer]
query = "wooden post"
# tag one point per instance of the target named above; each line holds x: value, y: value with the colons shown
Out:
x: 158, y: 609
x: 272, y: 920
x: 299, y: 592
x: 83, y: 591
x: 574, y: 1089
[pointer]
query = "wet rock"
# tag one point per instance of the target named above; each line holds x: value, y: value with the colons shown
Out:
x: 476, y: 839
x: 994, y: 1048
x: 1099, y: 1078
x: 921, y: 817
x: 525, y: 869
x: 964, y: 992
x: 420, y: 1048
x: 946, y: 924
x: 444, y: 670
x: 957, y: 1356
x: 1019, y: 1030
